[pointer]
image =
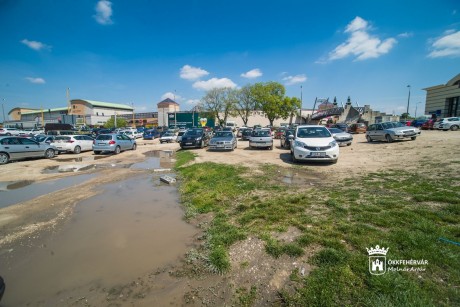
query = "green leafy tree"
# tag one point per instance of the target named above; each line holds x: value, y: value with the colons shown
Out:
x: 220, y: 102
x: 246, y: 103
x: 269, y: 98
x: 290, y: 107
x: 121, y: 122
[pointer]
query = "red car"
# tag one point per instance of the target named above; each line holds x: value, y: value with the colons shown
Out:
x: 428, y: 125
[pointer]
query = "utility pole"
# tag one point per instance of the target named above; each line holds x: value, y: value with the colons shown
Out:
x: 3, y: 111
x: 175, y: 111
x: 301, y: 103
x: 408, y: 100
x: 134, y: 124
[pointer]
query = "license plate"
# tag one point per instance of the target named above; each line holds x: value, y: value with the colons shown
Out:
x: 317, y: 154
x: 220, y: 145
x: 188, y: 143
x: 100, y: 143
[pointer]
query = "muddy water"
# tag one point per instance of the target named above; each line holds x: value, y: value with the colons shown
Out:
x: 16, y: 192
x: 132, y: 228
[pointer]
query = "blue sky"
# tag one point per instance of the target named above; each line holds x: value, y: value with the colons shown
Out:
x: 139, y: 52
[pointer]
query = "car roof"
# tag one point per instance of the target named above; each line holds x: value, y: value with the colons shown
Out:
x: 310, y: 126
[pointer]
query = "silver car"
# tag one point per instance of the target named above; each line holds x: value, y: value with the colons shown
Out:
x: 16, y: 148
x: 391, y: 131
x: 223, y: 140
x: 341, y: 137
x: 261, y: 138
x: 113, y: 142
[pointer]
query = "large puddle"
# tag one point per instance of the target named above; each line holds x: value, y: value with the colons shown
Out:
x: 18, y: 191
x: 132, y: 228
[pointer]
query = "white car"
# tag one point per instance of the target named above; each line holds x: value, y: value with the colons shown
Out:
x: 168, y: 137
x: 133, y: 134
x: 313, y: 143
x: 449, y: 123
x: 73, y: 143
x: 10, y: 131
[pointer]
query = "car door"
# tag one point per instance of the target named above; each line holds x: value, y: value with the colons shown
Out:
x: 31, y: 148
x: 128, y: 142
x: 13, y: 147
x: 87, y: 142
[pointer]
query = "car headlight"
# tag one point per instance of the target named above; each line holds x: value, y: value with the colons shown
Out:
x: 333, y: 144
x: 198, y: 139
x: 299, y: 144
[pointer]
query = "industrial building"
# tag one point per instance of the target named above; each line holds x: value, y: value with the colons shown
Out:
x: 443, y: 100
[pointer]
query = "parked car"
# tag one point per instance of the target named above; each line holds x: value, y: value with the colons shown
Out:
x: 450, y: 123
x: 341, y: 126
x: 223, y: 140
x: 113, y: 142
x: 133, y: 134
x: 95, y: 132
x: 16, y: 148
x: 73, y: 143
x: 10, y: 131
x: 151, y: 134
x: 279, y: 132
x: 358, y: 128
x: 246, y: 134
x: 261, y: 138
x: 195, y: 137
x: 168, y: 137
x: 227, y: 128
x: 418, y: 122
x: 390, y: 131
x: 314, y: 143
x: 341, y: 137
x: 43, y: 138
x: 437, y: 123
x: 285, y: 141
x: 239, y: 134
x: 428, y: 125
x: 33, y: 131
x: 180, y: 134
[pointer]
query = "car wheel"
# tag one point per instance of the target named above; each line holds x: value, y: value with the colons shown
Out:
x: 134, y: 146
x: 77, y: 150
x: 117, y: 150
x: 368, y: 138
x: 96, y: 152
x: 4, y: 158
x: 8, y: 134
x: 454, y: 128
x: 388, y: 138
x: 202, y: 144
x: 413, y: 138
x: 271, y: 147
x: 348, y: 144
x: 49, y: 153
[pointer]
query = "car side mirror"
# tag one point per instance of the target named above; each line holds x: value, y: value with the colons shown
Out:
x: 291, y: 137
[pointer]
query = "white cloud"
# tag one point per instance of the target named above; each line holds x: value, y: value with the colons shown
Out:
x: 35, y: 45
x: 36, y: 80
x: 252, y: 74
x: 405, y: 34
x: 192, y: 73
x: 172, y: 96
x: 214, y: 83
x: 291, y: 80
x: 447, y: 45
x: 193, y: 101
x: 104, y: 12
x: 360, y: 43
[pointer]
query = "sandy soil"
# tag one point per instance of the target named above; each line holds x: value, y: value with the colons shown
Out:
x: 24, y: 219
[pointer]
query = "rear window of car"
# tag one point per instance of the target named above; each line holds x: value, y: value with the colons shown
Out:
x: 62, y: 138
x: 261, y: 133
x: 104, y: 137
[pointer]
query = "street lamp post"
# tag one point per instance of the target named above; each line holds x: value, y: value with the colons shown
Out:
x: 408, y: 100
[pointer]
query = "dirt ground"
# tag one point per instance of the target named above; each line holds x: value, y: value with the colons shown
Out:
x: 24, y: 220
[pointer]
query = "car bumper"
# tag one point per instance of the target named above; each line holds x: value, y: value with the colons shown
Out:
x: 63, y: 147
x: 404, y: 136
x: 344, y: 142
x: 220, y: 146
x: 190, y: 144
x: 301, y: 153
x: 260, y: 144
x: 104, y: 148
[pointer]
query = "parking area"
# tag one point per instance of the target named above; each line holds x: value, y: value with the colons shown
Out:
x: 360, y: 157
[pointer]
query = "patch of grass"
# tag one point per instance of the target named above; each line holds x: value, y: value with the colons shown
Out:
x: 183, y: 157
x: 246, y: 298
x: 406, y: 212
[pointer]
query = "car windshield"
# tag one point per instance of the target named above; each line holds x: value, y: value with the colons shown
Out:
x: 40, y: 138
x: 194, y: 132
x: 168, y: 133
x: 223, y: 134
x: 104, y: 137
x: 335, y: 130
x: 313, y: 132
x: 261, y: 133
